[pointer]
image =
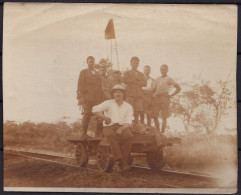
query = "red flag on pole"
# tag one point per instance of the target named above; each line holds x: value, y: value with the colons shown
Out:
x: 110, y: 31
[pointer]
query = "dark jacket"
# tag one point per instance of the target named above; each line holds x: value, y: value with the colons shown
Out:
x: 134, y: 81
x: 89, y: 88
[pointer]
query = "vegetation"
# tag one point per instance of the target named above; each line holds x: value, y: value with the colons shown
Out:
x: 200, y: 106
x: 42, y: 136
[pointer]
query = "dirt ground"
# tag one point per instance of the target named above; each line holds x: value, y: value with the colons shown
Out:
x: 25, y: 172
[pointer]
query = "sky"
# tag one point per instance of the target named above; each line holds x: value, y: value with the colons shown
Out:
x: 45, y: 46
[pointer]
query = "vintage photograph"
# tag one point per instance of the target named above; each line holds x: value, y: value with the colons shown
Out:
x: 120, y: 98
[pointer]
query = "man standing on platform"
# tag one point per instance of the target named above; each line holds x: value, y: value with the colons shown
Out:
x: 105, y: 79
x: 161, y: 97
x: 89, y: 92
x: 147, y: 95
x: 134, y: 81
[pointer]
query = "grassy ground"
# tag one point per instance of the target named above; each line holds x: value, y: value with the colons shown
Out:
x: 42, y: 136
x: 198, y: 153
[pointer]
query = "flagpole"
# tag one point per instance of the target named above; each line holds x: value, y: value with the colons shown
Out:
x: 111, y: 50
x: 117, y: 55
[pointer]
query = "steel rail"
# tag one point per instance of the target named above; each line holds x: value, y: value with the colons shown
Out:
x: 76, y: 166
x: 93, y: 162
x: 178, y: 172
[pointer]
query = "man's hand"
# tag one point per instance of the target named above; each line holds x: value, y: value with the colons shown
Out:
x: 81, y: 101
x: 107, y: 120
x: 120, y: 130
x: 154, y: 95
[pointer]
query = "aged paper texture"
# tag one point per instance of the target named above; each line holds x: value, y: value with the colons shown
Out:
x: 120, y: 98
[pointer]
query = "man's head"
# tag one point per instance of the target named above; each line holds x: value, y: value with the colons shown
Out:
x: 118, y: 92
x: 134, y: 63
x: 116, y: 75
x: 147, y: 70
x: 103, y: 66
x: 91, y: 62
x: 164, y: 69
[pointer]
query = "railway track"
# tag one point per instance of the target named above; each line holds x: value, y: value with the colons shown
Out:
x: 137, y: 173
x: 42, y: 157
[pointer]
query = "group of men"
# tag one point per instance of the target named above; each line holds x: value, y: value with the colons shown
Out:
x: 116, y: 99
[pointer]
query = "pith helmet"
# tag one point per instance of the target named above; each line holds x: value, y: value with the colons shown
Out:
x: 118, y: 87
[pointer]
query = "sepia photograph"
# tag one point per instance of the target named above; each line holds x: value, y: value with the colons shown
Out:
x: 131, y: 98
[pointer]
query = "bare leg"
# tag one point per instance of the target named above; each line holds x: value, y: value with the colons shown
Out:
x: 142, y: 118
x: 164, y: 123
x: 148, y: 119
x: 156, y: 121
x: 85, y: 122
x: 99, y: 128
x: 136, y: 116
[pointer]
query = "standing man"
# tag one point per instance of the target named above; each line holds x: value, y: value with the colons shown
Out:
x: 105, y: 80
x: 115, y: 77
x: 134, y: 81
x: 147, y: 95
x: 89, y: 92
x: 161, y: 97
x: 117, y: 115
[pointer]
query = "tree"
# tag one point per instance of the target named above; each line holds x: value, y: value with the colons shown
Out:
x: 202, y: 105
x: 185, y: 104
x: 215, y: 103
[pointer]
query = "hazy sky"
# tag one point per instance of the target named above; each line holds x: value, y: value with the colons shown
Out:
x: 46, y: 45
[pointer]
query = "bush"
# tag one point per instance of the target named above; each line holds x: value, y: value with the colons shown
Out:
x: 42, y: 136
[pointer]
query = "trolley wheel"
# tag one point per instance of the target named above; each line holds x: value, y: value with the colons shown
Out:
x: 155, y: 160
x: 104, y: 158
x: 81, y: 155
x: 130, y: 160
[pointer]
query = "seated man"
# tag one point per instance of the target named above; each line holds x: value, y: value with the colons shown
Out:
x: 117, y: 115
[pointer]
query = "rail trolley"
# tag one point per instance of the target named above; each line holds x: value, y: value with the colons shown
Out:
x: 99, y: 149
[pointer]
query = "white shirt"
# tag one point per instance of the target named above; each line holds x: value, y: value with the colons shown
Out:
x: 118, y: 114
x: 150, y: 85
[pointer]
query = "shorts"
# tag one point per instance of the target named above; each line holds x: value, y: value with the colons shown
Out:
x: 160, y: 103
x: 136, y: 102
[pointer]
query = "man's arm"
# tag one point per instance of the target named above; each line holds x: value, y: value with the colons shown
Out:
x: 155, y: 93
x: 128, y: 79
x: 122, y: 128
x: 141, y: 80
x: 178, y: 89
x: 99, y: 109
x: 80, y: 88
x: 103, y: 117
x: 151, y: 87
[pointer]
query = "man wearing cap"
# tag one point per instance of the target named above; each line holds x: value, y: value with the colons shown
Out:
x: 134, y: 81
x: 105, y: 80
x: 117, y: 116
x: 89, y: 92
x: 115, y: 77
x: 147, y: 95
x: 161, y: 97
